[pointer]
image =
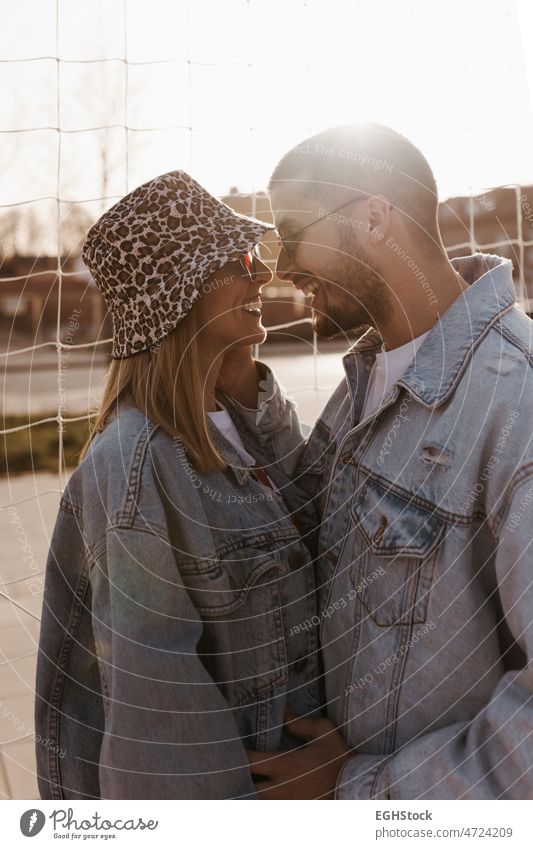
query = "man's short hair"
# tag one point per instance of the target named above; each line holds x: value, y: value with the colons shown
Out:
x: 368, y: 158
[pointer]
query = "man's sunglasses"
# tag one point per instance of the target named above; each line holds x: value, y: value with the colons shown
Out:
x: 290, y: 246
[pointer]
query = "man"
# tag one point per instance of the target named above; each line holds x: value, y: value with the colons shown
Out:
x: 420, y: 470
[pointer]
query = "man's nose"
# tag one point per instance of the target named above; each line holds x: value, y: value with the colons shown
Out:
x: 284, y: 267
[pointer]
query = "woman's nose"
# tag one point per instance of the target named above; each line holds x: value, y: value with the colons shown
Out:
x: 263, y: 273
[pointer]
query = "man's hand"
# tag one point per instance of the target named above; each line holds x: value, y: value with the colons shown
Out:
x: 239, y: 376
x: 309, y: 772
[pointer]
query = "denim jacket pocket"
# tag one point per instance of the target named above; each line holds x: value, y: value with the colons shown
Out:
x: 399, y: 541
x: 239, y: 602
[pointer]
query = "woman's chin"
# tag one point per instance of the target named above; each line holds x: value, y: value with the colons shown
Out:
x: 250, y: 336
x: 257, y: 338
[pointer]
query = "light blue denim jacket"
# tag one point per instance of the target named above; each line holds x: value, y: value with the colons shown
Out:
x: 425, y: 574
x: 167, y: 642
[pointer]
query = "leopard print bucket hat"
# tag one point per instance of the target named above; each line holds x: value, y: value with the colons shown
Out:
x: 151, y: 253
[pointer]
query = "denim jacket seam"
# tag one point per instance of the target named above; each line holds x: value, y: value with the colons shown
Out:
x: 55, y: 698
x: 516, y: 341
x: 323, y: 428
x: 70, y: 506
x: 376, y: 769
x: 410, y: 498
x: 260, y: 537
x: 524, y: 474
x: 135, y: 472
x: 465, y: 356
x: 374, y: 792
x: 94, y: 554
x: 124, y: 524
x: 480, y: 515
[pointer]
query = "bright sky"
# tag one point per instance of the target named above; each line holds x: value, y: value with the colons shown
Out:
x: 253, y: 78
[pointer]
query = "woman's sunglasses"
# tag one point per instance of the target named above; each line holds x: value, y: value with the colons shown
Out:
x: 248, y: 265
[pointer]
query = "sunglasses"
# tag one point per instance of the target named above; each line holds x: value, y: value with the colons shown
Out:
x: 290, y: 246
x: 248, y: 265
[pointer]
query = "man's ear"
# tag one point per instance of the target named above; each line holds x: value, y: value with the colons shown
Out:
x: 379, y: 209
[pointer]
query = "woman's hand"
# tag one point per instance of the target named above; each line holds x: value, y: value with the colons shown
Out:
x: 309, y: 772
x: 239, y: 376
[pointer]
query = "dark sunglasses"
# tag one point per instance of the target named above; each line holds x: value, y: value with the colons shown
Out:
x: 290, y: 245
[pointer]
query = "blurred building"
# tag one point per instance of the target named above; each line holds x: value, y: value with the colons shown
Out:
x: 30, y: 291
x: 500, y: 222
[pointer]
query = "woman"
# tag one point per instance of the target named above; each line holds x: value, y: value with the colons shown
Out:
x: 176, y: 625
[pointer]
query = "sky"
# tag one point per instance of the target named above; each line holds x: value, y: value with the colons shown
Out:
x: 222, y: 88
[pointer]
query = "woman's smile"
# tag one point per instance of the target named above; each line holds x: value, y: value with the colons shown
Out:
x: 253, y: 305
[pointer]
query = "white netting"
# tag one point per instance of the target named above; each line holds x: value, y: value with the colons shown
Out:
x: 192, y: 137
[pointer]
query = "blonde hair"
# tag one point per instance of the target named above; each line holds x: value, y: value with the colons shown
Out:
x: 166, y: 383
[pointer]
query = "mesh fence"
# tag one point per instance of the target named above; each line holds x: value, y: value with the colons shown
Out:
x: 129, y: 68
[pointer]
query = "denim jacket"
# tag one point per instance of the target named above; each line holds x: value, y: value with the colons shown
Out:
x: 425, y: 570
x: 167, y: 640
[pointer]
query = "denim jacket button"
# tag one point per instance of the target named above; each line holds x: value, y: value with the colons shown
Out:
x: 296, y: 560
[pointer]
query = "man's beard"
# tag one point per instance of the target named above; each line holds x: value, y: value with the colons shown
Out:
x: 354, y: 293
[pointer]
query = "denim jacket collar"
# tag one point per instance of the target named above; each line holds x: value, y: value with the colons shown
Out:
x: 440, y: 362
x: 444, y: 355
x: 236, y: 465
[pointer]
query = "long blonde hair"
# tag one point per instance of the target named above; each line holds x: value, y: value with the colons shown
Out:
x: 166, y: 384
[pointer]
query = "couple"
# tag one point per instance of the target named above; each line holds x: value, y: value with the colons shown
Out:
x: 234, y: 611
